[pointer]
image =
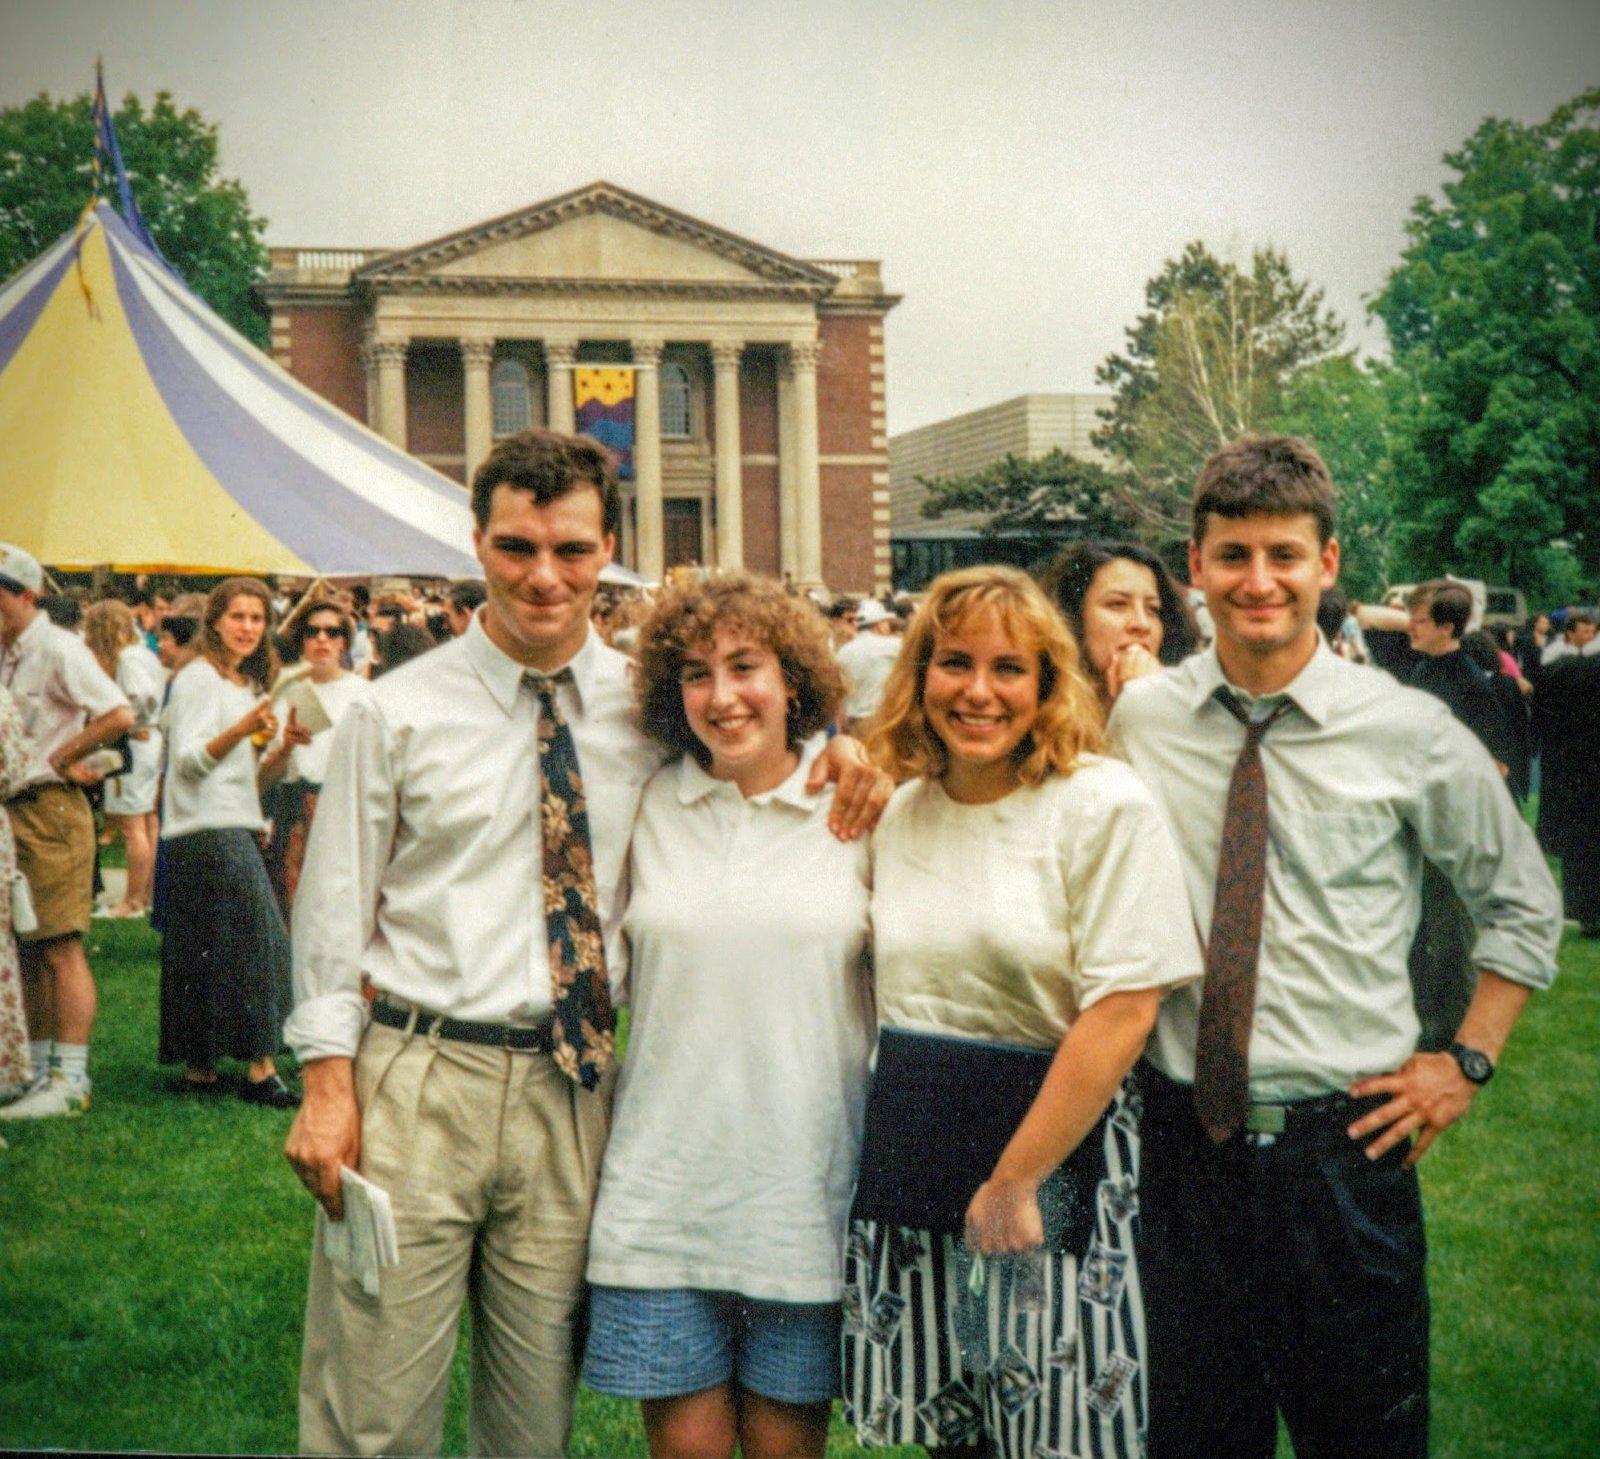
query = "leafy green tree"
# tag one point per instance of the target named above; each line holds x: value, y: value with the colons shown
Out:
x: 1494, y: 314
x: 201, y: 221
x: 1206, y: 362
x: 1055, y: 496
x: 1344, y: 407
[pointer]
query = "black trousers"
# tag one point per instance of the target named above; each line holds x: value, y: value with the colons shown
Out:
x: 1283, y: 1274
x: 1580, y: 881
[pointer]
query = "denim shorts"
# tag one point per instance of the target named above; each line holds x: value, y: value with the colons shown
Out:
x: 649, y: 1343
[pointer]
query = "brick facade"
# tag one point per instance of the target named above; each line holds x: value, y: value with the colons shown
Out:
x: 341, y: 318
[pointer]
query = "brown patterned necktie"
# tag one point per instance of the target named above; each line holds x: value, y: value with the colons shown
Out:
x: 582, y: 1023
x: 1228, y: 1002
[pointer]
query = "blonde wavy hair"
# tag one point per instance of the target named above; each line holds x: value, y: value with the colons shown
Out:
x: 108, y: 628
x: 1070, y: 723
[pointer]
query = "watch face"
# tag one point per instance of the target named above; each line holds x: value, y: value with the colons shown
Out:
x: 1474, y: 1065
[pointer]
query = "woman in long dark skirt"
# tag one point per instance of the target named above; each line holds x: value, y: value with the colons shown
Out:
x: 225, y: 952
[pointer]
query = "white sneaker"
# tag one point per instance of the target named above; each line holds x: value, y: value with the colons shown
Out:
x: 56, y: 1096
x: 9, y: 1093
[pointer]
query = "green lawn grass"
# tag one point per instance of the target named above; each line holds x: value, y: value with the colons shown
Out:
x: 153, y: 1254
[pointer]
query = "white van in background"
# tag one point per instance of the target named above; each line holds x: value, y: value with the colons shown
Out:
x: 1491, y: 607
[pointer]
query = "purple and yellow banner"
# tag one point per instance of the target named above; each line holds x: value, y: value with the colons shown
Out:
x: 603, y: 396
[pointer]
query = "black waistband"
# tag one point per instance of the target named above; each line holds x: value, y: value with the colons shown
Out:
x: 1333, y: 1110
x: 520, y: 1038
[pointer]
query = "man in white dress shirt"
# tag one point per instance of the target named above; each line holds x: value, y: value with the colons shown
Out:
x: 867, y: 659
x: 70, y: 707
x: 424, y: 881
x: 1285, y: 1101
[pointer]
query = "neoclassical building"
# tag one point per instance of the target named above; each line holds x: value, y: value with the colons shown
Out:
x: 760, y: 430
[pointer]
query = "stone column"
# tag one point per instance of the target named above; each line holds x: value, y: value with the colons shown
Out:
x: 730, y: 457
x: 559, y: 357
x: 390, y: 356
x: 788, y: 502
x: 807, y: 467
x: 649, y: 530
x: 477, y: 411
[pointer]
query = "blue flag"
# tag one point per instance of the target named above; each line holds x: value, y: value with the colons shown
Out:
x: 108, y: 153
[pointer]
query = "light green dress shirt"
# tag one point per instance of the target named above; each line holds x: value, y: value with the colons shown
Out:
x: 1365, y: 778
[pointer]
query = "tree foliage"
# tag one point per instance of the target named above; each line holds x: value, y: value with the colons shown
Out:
x: 1344, y: 407
x: 1055, y: 495
x: 1494, y: 314
x: 1207, y: 361
x: 201, y: 221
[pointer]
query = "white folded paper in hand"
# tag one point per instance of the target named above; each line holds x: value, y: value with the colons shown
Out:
x: 364, y: 1242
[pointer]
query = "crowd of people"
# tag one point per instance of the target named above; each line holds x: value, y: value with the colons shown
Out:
x: 194, y: 728
x: 1031, y: 1000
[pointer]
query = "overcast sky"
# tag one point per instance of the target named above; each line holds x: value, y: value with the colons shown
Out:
x: 1021, y: 169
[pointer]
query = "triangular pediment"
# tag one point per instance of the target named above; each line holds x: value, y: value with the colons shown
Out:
x: 599, y: 233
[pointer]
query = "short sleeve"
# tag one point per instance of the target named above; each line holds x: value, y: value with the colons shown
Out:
x: 84, y: 682
x: 1131, y: 925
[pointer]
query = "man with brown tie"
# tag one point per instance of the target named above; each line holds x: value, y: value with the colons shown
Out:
x: 468, y: 868
x: 1285, y: 1104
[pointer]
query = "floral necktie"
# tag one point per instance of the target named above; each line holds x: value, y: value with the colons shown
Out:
x: 1228, y: 999
x: 583, y: 1023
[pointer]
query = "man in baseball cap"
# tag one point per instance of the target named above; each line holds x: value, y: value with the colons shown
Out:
x: 69, y: 708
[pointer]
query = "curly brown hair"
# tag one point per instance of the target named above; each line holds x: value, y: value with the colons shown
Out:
x: 1070, y: 722
x: 690, y: 616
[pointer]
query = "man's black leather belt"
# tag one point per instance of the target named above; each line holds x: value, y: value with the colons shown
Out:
x: 520, y: 1038
x: 1332, y: 1111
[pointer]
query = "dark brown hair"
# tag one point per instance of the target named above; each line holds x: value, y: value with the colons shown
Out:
x: 688, y: 617
x: 294, y: 636
x: 549, y: 465
x: 1069, y: 578
x: 1254, y: 476
x: 1449, y: 604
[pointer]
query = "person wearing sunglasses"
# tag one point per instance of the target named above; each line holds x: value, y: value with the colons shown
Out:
x: 292, y: 770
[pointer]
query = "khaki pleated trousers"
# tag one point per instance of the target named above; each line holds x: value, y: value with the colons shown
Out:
x: 490, y: 1159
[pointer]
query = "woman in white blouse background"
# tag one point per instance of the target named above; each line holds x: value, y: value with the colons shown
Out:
x: 715, y: 1258
x: 224, y: 951
x: 320, y: 635
x: 1025, y: 891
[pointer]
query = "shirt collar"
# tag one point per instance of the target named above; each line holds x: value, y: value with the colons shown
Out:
x: 502, y: 675
x: 30, y: 637
x: 1311, y: 690
x: 695, y: 783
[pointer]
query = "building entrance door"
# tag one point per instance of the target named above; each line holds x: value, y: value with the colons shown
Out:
x: 681, y: 531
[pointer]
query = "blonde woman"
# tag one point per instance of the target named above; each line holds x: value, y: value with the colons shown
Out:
x: 1026, y: 894
x: 113, y: 636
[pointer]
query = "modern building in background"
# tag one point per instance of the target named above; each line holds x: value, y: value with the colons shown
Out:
x: 1028, y: 427
x: 760, y: 435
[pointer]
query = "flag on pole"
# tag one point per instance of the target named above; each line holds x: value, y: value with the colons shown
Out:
x: 108, y: 153
x: 604, y: 396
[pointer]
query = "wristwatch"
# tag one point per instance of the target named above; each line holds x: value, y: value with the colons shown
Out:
x: 1475, y: 1064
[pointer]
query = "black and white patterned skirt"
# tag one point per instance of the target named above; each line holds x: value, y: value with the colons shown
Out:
x: 1066, y: 1372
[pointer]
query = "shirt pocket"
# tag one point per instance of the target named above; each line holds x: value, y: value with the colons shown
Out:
x: 1343, y: 848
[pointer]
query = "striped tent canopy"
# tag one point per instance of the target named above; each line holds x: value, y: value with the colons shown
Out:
x: 138, y: 430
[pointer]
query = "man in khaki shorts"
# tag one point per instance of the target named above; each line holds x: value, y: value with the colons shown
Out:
x: 69, y: 708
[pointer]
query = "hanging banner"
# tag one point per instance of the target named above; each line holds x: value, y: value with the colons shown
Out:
x: 603, y: 396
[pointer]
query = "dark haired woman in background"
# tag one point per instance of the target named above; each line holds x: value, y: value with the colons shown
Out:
x: 1123, y: 607
x: 225, y: 952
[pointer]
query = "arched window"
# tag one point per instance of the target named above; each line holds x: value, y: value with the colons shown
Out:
x: 508, y: 387
x: 677, y: 408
